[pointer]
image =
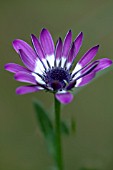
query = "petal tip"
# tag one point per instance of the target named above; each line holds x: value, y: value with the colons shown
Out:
x: 110, y: 62
x: 16, y: 76
x: 44, y: 30
x: 14, y: 43
x: 6, y: 66
x: 59, y: 41
x: 70, y: 31
x: 32, y: 35
x: 18, y: 91
x: 81, y: 34
x: 97, y: 46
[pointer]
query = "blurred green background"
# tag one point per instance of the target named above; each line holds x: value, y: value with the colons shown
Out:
x: 21, y: 145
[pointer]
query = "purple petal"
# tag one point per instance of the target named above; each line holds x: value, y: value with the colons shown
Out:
x: 27, y: 89
x: 78, y: 43
x: 20, y: 44
x: 85, y: 70
x: 93, y: 69
x: 58, y: 49
x: 74, y: 49
x: 103, y: 63
x: 47, y: 42
x: 79, y: 77
x: 71, y: 53
x: 37, y: 47
x: 28, y: 61
x: 88, y: 56
x: 25, y: 77
x: 67, y: 44
x: 14, y: 68
x: 64, y: 98
x: 83, y: 76
x: 89, y: 66
x: 85, y: 80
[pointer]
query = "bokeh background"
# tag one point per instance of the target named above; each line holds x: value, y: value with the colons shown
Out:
x: 21, y: 144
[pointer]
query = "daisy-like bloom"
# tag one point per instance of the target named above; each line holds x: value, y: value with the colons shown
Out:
x: 50, y: 68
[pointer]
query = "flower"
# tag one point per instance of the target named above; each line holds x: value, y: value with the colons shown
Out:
x: 50, y: 68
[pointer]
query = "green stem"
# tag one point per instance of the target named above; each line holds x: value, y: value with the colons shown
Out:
x: 59, y: 161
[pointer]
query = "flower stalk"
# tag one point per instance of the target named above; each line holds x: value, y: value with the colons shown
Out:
x: 58, y: 144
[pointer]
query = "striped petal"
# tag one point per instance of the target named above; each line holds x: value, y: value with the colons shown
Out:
x: 90, y: 68
x: 47, y: 45
x: 83, y: 77
x: 66, y: 47
x: 35, y: 66
x: 37, y: 47
x: 28, y: 61
x: 25, y: 77
x: 14, y: 68
x: 78, y: 43
x: 103, y: 63
x: 85, y: 80
x: 67, y: 43
x: 27, y: 89
x: 88, y: 56
x: 75, y: 49
x: 20, y: 44
x: 70, y: 56
x: 39, y: 52
x: 58, y: 51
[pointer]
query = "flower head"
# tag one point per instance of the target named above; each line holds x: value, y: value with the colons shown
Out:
x: 50, y: 68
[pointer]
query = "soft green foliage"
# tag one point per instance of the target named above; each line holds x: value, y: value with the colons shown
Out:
x: 65, y: 128
x: 43, y: 120
x: 45, y: 125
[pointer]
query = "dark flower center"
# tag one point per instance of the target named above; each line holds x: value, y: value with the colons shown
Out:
x: 57, y: 78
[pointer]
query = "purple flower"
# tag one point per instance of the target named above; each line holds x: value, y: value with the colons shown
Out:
x: 50, y: 68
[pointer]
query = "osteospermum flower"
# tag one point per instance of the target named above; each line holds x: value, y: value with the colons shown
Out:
x: 50, y: 68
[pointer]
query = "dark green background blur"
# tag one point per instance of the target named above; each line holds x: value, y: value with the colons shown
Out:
x: 21, y: 145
